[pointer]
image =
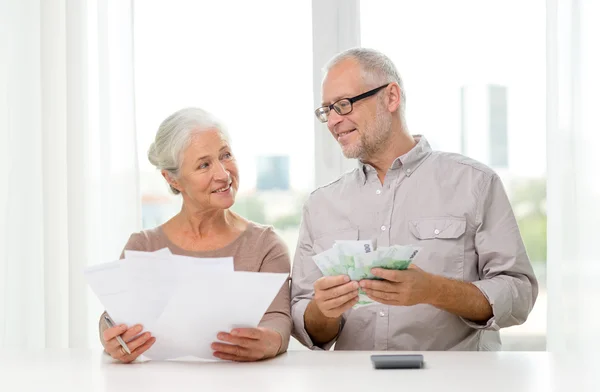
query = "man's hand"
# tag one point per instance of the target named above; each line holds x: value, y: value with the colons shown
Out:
x: 247, y: 344
x: 335, y: 294
x: 414, y: 286
x: 401, y: 288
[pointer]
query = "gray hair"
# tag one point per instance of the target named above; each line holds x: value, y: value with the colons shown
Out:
x: 174, y: 135
x: 376, y: 68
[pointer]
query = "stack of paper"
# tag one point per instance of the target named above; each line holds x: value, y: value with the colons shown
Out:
x: 182, y: 301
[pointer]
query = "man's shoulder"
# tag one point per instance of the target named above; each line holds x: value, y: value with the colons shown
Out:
x: 455, y: 161
x: 350, y: 178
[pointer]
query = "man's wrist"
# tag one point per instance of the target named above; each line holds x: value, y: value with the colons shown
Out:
x: 315, y: 313
x: 319, y: 327
x: 437, y: 290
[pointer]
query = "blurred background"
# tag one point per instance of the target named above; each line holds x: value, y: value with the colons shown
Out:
x: 85, y: 85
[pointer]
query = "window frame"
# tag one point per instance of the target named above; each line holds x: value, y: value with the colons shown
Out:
x: 336, y: 27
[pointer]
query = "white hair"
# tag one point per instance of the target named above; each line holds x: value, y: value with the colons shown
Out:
x: 376, y: 68
x: 174, y: 135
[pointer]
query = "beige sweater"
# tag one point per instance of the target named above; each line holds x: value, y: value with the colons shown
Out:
x: 257, y: 249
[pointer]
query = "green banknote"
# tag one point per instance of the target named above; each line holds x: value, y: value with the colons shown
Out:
x: 357, y: 258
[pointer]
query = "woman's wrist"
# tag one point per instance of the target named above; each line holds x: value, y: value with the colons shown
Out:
x: 274, y: 342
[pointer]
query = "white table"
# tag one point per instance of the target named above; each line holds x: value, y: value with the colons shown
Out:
x: 89, y: 370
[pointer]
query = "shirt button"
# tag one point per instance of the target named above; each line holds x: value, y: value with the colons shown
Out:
x: 382, y: 313
x: 382, y: 228
x: 408, y: 170
x: 436, y: 232
x: 378, y: 191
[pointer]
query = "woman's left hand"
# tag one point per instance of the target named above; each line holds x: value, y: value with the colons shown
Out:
x: 247, y: 344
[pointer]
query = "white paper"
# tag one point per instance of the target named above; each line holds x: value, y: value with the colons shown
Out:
x: 182, y: 301
x: 196, y: 313
x: 130, y: 254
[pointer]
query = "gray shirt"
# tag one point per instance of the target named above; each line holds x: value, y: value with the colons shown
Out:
x: 453, y: 207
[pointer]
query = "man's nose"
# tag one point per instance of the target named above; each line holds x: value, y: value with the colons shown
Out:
x: 333, y: 119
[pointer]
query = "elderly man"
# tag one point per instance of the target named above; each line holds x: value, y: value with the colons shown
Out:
x: 473, y: 275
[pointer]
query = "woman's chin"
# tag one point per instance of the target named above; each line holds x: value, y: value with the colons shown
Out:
x: 223, y: 200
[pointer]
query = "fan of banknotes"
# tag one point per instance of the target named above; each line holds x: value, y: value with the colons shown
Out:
x: 357, y: 258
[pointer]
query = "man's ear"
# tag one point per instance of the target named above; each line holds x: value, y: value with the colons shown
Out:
x: 394, y: 95
x: 170, y: 180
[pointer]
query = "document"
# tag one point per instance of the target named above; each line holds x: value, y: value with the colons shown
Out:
x: 182, y: 301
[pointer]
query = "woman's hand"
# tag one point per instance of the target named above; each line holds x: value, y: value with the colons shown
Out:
x: 137, y: 346
x: 247, y: 344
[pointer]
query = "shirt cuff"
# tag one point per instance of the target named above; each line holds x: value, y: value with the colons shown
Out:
x: 498, y: 295
x: 299, y: 331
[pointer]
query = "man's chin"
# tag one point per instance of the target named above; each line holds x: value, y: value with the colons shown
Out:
x: 351, y: 153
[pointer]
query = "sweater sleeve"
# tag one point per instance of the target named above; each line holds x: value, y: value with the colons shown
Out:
x: 278, y: 316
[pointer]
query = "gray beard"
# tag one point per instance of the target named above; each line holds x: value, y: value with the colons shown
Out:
x: 374, y: 139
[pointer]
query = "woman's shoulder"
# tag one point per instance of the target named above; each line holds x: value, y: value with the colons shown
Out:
x: 264, y: 235
x: 269, y: 248
x: 148, y: 240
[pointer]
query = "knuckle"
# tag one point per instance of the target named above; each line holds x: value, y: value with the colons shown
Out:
x: 318, y: 283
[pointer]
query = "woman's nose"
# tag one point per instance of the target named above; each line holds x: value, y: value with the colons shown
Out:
x: 221, y: 173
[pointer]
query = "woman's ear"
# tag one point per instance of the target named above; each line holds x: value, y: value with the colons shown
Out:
x: 170, y: 180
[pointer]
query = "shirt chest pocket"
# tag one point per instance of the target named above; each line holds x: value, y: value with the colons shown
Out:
x: 443, y: 245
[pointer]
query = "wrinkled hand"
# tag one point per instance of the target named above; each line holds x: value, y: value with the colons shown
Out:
x: 400, y: 288
x: 247, y: 344
x: 335, y: 294
x: 137, y: 346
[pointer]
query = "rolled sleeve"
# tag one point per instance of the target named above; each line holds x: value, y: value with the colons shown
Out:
x: 506, y: 276
x: 497, y: 294
x: 304, y: 274
x: 300, y: 332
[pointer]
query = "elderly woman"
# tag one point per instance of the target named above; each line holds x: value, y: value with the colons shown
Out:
x: 194, y: 156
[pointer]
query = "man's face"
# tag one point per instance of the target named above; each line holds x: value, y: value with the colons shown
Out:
x: 362, y: 132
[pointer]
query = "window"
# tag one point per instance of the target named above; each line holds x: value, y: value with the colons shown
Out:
x: 474, y: 74
x: 252, y: 68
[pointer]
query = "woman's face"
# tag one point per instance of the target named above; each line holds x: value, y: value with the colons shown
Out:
x: 208, y: 177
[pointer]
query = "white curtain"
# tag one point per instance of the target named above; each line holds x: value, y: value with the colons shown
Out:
x: 573, y: 207
x: 68, y: 167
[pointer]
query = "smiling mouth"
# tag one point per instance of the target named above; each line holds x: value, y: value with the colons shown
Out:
x: 341, y: 134
x: 225, y: 189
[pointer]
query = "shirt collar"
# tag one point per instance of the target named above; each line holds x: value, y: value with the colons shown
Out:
x: 408, y: 162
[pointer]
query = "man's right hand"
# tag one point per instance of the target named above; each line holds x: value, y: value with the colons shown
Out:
x: 137, y: 346
x: 335, y: 294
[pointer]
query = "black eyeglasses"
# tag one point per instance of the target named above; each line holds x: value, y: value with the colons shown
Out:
x: 344, y: 105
